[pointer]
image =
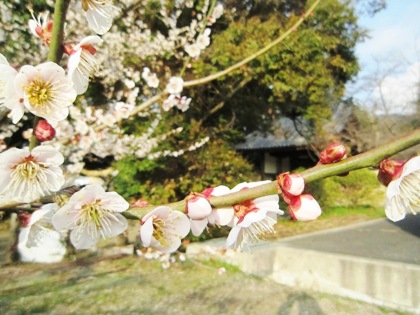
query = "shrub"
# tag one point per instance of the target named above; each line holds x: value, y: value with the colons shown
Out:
x: 359, y: 188
x: 171, y: 179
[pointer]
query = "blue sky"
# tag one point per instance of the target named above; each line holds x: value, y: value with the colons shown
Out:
x: 390, y: 58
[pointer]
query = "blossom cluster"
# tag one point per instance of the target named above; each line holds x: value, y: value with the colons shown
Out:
x: 93, y: 129
x: 92, y: 213
x: 302, y: 207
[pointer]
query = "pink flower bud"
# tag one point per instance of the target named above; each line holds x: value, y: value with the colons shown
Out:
x: 389, y: 170
x: 198, y: 208
x: 141, y: 203
x: 44, y: 131
x: 304, y: 208
x: 334, y: 152
x: 24, y: 218
x: 291, y: 184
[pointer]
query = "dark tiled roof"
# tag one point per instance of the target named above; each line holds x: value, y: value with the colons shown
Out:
x: 284, y: 136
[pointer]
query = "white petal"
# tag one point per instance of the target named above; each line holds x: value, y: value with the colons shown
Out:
x: 42, y: 212
x: 220, y: 190
x: 395, y: 209
x: 66, y: 217
x: 74, y: 61
x: 17, y: 112
x: 234, y: 238
x: 100, y: 21
x: 80, y: 79
x: 32, y: 27
x: 252, y: 217
x: 393, y: 188
x: 87, y: 194
x: 411, y: 166
x: 118, y: 224
x: 198, y: 226
x: 48, y: 155
x: 146, y: 232
x: 181, y: 224
x: 161, y: 211
x: 222, y: 216
x: 3, y: 60
x: 173, y: 244
x: 55, y: 178
x: 90, y: 40
x: 113, y: 202
x: 198, y: 208
x: 82, y: 239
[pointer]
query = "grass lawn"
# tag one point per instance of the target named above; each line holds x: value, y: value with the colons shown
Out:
x: 133, y: 285
x: 98, y: 283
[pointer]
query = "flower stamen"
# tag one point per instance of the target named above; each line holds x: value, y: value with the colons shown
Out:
x: 39, y: 93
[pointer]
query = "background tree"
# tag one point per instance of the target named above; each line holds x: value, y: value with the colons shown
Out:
x: 303, y: 78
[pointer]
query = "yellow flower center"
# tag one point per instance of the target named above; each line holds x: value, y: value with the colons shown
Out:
x: 159, y: 230
x: 93, y: 214
x: 39, y: 93
x: 28, y: 169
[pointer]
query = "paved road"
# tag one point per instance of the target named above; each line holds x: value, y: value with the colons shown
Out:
x: 378, y: 239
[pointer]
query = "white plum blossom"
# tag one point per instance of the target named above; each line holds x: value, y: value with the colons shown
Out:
x: 173, y: 100
x: 203, y: 40
x: 91, y: 213
x: 123, y: 110
x: 99, y: 14
x: 253, y: 218
x: 175, y: 85
x: 38, y: 241
x: 193, y: 50
x: 41, y: 27
x: 46, y: 91
x: 163, y: 228
x: 217, y: 13
x: 150, y: 78
x: 183, y: 103
x: 82, y: 63
x: 403, y: 193
x: 28, y: 175
x: 9, y: 97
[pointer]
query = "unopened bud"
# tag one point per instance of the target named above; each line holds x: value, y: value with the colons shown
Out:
x: 141, y: 203
x: 44, y: 131
x: 24, y: 218
x: 333, y: 153
x: 291, y: 184
x: 304, y: 208
x: 389, y: 170
x: 197, y: 208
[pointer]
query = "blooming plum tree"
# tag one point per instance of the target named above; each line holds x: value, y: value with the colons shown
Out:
x: 67, y: 125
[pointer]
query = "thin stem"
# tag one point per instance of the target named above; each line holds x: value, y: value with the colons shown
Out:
x: 56, y: 46
x: 33, y: 141
x: 253, y: 56
x: 368, y: 159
